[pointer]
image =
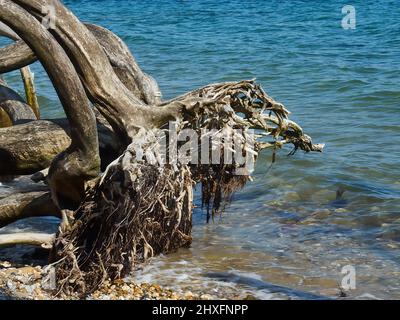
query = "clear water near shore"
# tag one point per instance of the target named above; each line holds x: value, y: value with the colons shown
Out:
x: 342, y: 86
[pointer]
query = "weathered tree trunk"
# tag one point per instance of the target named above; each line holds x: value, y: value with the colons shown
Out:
x: 28, y: 148
x: 31, y: 147
x: 26, y: 205
x: 139, y: 206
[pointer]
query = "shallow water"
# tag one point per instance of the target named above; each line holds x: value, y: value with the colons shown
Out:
x: 285, y: 228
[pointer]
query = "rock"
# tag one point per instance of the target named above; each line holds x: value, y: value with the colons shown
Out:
x: 5, y: 264
x: 29, y: 289
x: 321, y: 214
x: 292, y: 196
x: 23, y: 279
x: 11, y: 286
x: 323, y: 196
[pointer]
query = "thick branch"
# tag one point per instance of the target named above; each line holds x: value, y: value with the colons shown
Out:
x: 28, y: 148
x: 125, y: 66
x: 122, y: 109
x: 81, y: 161
x: 59, y: 68
x: 5, y: 31
x: 15, y: 56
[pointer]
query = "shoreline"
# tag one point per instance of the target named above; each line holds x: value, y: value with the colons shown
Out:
x: 29, y: 283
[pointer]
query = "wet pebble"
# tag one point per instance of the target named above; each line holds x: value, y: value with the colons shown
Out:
x: 292, y: 196
x: 26, y: 283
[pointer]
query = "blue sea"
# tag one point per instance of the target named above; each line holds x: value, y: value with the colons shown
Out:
x: 284, y: 236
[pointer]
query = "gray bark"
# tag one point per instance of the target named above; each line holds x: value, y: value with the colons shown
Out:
x: 14, y: 107
x: 31, y: 147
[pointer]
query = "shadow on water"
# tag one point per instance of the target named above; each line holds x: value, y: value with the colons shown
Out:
x: 262, y: 285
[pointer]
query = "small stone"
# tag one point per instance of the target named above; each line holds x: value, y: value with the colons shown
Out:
x: 10, y: 285
x: 119, y: 282
x: 29, y: 289
x: 330, y: 292
x: 5, y: 264
x: 22, y: 279
x: 321, y: 214
x: 292, y: 196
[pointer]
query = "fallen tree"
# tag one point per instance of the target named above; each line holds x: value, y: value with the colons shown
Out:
x: 139, y: 203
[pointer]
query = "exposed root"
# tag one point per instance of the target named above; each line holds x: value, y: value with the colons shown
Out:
x: 237, y: 117
x: 136, y: 211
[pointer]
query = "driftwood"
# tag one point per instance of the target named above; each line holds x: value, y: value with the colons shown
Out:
x: 18, y: 55
x: 31, y: 147
x: 15, y: 56
x: 13, y: 109
x: 30, y: 90
x: 26, y: 205
x: 138, y: 203
x: 36, y: 239
x: 6, y: 31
